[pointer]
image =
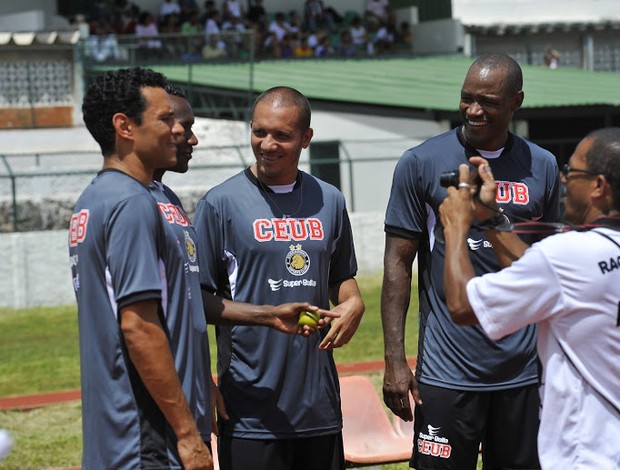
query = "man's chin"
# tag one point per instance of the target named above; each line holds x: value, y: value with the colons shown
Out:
x: 180, y: 169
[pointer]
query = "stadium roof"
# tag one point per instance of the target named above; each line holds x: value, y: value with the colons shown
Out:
x: 34, y: 38
x: 423, y: 86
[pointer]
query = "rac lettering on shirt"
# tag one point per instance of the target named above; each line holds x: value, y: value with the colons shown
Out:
x: 609, y: 266
x: 77, y: 227
x: 508, y: 191
x: 173, y: 214
x: 266, y: 230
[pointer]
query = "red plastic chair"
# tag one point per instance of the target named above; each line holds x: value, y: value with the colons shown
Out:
x: 216, y: 464
x: 369, y: 436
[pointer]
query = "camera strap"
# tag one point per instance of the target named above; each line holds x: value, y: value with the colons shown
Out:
x: 558, y: 227
x: 570, y: 361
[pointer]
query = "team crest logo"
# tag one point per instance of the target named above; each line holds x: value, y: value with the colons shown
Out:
x: 190, y: 247
x: 297, y: 261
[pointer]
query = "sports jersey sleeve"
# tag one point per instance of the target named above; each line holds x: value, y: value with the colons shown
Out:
x: 207, y: 225
x: 406, y: 213
x: 344, y: 263
x: 527, y: 292
x: 132, y: 250
x: 552, y: 203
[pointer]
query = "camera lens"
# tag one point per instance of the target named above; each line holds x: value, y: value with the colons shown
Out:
x: 449, y: 178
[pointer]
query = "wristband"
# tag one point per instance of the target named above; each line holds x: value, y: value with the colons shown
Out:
x: 494, y: 221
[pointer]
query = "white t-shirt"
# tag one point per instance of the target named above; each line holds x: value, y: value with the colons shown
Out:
x: 234, y: 7
x: 280, y: 30
x: 570, y: 285
x: 358, y: 35
x: 377, y: 7
x: 168, y: 8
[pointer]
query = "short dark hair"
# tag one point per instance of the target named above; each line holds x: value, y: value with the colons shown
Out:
x: 116, y: 91
x: 287, y: 96
x: 175, y: 90
x: 603, y: 158
x: 505, y: 62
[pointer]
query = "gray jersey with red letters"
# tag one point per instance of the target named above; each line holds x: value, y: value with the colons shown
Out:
x: 276, y: 386
x: 527, y: 178
x: 122, y: 253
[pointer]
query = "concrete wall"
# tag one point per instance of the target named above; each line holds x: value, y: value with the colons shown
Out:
x: 35, y: 267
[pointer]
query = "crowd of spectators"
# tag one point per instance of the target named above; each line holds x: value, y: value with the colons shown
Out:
x: 186, y: 30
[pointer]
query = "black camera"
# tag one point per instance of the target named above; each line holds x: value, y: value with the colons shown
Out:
x: 449, y: 178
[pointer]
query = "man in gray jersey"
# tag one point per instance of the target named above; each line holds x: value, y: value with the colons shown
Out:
x: 140, y: 354
x: 274, y: 234
x: 468, y: 389
x: 181, y: 235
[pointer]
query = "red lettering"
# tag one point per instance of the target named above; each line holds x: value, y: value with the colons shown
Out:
x: 503, y: 191
x: 173, y: 214
x: 515, y: 192
x: 434, y: 448
x: 520, y: 194
x: 316, y: 229
x: 280, y: 228
x: 288, y: 229
x: 165, y: 211
x: 261, y: 233
x: 299, y: 229
x: 77, y: 227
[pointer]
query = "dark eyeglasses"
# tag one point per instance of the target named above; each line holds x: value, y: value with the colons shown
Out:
x: 565, y: 170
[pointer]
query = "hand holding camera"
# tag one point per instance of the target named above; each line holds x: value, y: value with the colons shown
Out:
x: 481, y: 193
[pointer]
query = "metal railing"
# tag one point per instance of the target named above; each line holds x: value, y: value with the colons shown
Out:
x: 45, y: 177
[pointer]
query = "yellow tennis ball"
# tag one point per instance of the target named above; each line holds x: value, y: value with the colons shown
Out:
x: 310, y: 319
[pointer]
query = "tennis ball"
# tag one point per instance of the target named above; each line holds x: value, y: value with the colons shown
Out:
x: 310, y: 319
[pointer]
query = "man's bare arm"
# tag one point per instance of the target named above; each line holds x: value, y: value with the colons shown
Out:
x: 150, y: 354
x: 348, y: 303
x: 220, y: 311
x: 398, y: 380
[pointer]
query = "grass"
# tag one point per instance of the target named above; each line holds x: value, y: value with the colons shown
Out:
x: 39, y: 350
x: 40, y: 354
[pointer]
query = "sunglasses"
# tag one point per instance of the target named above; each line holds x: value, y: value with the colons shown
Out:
x: 565, y: 170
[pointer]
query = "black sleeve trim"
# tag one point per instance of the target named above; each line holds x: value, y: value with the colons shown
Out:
x: 138, y: 297
x: 403, y: 233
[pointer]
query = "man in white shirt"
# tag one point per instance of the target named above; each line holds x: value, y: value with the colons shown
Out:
x: 568, y: 284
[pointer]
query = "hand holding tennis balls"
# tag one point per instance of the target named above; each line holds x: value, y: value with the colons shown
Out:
x: 310, y: 319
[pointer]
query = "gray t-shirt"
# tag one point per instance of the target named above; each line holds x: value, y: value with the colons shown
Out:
x: 120, y: 254
x: 275, y: 385
x: 449, y: 355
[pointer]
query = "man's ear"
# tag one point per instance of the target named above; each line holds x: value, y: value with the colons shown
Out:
x: 122, y: 125
x: 307, y: 138
x: 518, y: 101
x: 601, y: 192
x: 603, y: 186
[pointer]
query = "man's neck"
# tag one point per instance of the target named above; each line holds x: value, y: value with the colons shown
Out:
x: 158, y: 175
x: 130, y: 165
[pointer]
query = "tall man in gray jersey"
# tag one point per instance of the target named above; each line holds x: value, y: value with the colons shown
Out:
x: 468, y: 389
x: 140, y: 351
x: 274, y: 234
